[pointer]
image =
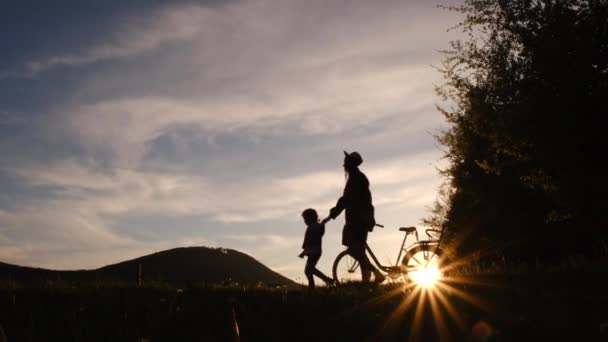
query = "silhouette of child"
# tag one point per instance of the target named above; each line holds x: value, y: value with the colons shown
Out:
x: 312, y: 247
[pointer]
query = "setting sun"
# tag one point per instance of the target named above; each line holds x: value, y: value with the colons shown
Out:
x: 426, y: 277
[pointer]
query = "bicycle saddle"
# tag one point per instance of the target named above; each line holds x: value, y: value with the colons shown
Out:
x: 407, y: 229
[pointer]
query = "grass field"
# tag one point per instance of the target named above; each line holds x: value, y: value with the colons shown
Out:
x: 567, y: 302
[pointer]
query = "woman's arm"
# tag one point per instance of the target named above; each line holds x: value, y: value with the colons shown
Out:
x: 344, y: 200
x: 337, y: 209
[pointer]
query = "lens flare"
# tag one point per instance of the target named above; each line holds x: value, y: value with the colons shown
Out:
x: 426, y: 277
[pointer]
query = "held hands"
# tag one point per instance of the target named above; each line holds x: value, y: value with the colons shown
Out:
x: 333, y: 212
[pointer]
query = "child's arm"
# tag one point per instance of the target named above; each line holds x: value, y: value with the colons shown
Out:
x: 325, y: 220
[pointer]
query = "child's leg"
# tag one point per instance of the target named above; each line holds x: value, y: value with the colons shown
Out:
x: 323, y: 276
x: 310, y: 269
x: 313, y: 259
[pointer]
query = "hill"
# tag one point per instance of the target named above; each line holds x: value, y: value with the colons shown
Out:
x: 176, y: 266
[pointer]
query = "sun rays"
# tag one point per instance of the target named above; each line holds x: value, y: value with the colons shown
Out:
x: 439, y: 298
x: 426, y: 277
x: 433, y: 298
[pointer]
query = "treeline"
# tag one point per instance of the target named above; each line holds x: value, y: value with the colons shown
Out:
x: 526, y: 96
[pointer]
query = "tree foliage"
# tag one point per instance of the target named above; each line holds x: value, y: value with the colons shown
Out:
x: 526, y: 142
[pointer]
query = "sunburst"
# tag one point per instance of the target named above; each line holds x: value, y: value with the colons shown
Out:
x: 435, y: 288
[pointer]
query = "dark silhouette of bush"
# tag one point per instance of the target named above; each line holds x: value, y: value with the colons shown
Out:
x: 527, y: 137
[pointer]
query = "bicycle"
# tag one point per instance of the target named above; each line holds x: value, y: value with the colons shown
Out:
x: 419, y: 255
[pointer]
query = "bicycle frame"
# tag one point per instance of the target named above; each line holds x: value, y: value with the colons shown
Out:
x: 428, y: 247
x: 402, y: 249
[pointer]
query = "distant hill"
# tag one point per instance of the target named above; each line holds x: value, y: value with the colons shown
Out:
x: 177, y: 266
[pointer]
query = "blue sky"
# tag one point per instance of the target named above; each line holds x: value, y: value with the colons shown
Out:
x: 132, y: 127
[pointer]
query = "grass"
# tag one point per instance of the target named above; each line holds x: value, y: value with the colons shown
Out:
x: 506, y: 302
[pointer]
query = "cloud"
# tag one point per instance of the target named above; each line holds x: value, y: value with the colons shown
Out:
x: 95, y: 192
x: 132, y: 36
x: 29, y: 233
x: 269, y: 241
x: 63, y: 234
x: 224, y: 115
x: 230, y: 69
x: 82, y: 219
x: 7, y: 119
x: 236, y: 24
x: 238, y: 71
x: 125, y: 125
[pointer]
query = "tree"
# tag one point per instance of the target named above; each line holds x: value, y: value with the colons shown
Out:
x: 526, y: 140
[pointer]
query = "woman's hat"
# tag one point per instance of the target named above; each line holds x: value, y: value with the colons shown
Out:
x: 353, y: 158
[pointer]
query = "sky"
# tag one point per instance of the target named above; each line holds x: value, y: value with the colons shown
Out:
x: 130, y: 127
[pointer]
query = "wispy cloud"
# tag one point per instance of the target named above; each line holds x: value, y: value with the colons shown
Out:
x: 127, y: 124
x: 236, y: 24
x: 269, y: 241
x: 132, y: 36
x: 8, y: 119
x: 223, y: 115
x: 85, y: 211
x: 94, y: 193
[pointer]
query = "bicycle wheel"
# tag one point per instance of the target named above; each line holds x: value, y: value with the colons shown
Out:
x: 421, y: 258
x: 346, y: 269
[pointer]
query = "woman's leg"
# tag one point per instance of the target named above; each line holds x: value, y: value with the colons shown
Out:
x: 357, y: 250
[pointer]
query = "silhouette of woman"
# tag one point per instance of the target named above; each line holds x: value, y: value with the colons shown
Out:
x: 356, y: 201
